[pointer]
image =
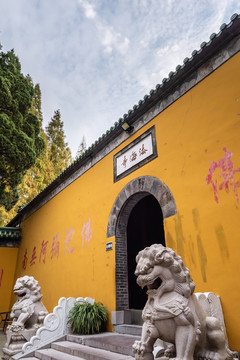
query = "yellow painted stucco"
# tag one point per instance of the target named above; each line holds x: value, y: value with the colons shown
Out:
x: 8, y: 259
x: 190, y: 134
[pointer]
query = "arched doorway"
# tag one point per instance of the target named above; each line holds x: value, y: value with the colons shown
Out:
x: 130, y: 196
x: 144, y: 228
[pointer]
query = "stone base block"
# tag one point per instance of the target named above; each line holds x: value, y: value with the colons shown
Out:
x: 121, y: 317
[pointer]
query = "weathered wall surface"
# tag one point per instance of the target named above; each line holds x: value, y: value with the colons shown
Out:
x: 63, y: 243
x: 8, y: 259
x: 205, y: 183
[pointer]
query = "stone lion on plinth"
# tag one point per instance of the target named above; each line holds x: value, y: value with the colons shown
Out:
x: 28, y: 314
x: 28, y: 310
x: 172, y: 312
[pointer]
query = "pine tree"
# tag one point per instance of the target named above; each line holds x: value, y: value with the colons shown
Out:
x: 42, y: 173
x: 37, y: 103
x: 81, y: 148
x: 36, y: 106
x: 39, y: 175
x: 60, y: 153
x: 55, y: 157
x: 20, y: 139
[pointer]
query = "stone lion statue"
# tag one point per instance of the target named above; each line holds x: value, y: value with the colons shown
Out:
x: 172, y: 312
x: 28, y: 310
x: 28, y: 314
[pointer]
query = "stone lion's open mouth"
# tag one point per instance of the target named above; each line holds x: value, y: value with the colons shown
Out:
x: 20, y: 292
x: 155, y: 285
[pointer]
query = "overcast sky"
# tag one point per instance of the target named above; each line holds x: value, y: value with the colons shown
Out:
x: 95, y: 59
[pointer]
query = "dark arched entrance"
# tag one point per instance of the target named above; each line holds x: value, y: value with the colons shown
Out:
x: 130, y: 197
x: 144, y: 228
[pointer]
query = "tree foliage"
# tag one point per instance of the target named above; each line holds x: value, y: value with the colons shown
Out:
x: 36, y: 105
x: 35, y: 180
x: 21, y: 142
x: 81, y: 148
x: 60, y: 154
x: 30, y: 158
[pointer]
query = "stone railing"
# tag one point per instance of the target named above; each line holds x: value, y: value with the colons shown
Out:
x: 212, y: 306
x: 55, y: 326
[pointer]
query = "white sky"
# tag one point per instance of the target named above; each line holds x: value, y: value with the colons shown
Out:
x: 95, y: 59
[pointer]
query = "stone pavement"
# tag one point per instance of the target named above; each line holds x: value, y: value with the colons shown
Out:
x: 3, y: 339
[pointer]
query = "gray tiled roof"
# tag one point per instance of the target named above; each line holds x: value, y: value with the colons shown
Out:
x: 10, y: 233
x: 198, y: 57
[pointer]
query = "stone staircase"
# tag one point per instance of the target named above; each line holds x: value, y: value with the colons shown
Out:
x: 105, y: 346
x: 115, y: 345
x: 134, y: 327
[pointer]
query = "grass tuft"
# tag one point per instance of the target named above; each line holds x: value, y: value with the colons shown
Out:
x: 85, y: 318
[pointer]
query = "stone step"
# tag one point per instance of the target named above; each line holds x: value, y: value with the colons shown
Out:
x: 52, y: 354
x: 79, y: 351
x: 118, y: 343
x: 129, y: 329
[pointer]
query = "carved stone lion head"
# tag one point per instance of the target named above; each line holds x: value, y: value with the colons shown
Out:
x: 151, y: 263
x: 27, y: 286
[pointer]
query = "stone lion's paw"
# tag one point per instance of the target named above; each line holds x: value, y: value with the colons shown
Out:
x: 138, y: 347
x: 15, y: 327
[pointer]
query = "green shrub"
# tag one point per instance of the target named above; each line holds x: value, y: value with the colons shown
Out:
x: 85, y: 318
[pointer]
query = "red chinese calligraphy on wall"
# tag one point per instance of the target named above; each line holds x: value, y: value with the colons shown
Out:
x: 34, y: 256
x: 67, y: 242
x: 1, y: 277
x: 55, y: 246
x: 25, y: 260
x: 43, y: 251
x: 225, y: 176
x: 86, y: 232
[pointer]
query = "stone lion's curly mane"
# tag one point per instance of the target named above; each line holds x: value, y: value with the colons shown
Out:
x: 30, y: 283
x: 157, y: 254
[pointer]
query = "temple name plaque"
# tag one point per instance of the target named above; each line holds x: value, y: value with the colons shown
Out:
x: 136, y: 154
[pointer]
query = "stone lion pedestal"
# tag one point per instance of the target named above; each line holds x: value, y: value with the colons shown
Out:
x: 28, y: 314
x: 188, y: 322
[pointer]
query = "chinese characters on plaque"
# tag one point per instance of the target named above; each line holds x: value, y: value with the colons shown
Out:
x: 140, y: 151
